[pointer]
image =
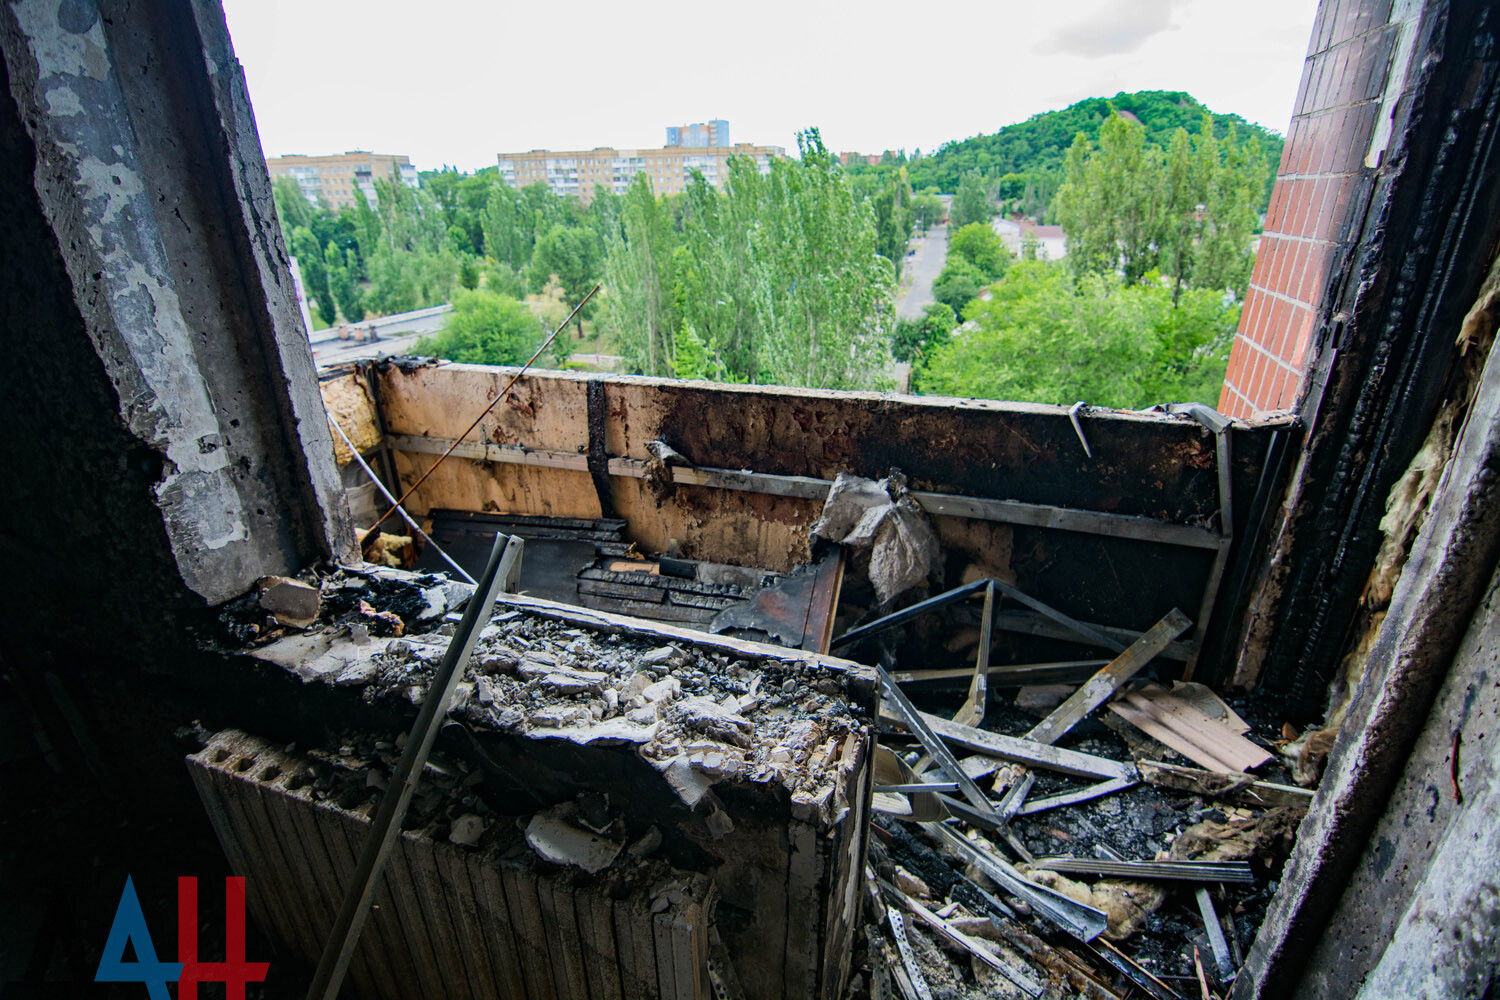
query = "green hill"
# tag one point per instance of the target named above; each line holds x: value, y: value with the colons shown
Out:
x: 1039, y: 144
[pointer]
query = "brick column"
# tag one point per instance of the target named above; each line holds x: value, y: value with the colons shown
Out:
x: 1333, y: 123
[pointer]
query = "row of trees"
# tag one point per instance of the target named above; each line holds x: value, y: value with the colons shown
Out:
x: 785, y: 277
x: 789, y: 276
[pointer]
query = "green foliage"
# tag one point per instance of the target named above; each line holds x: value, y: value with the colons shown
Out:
x: 914, y: 339
x: 314, y: 273
x: 927, y: 210
x: 639, y: 274
x: 976, y: 258
x: 893, y: 218
x: 570, y: 255
x: 691, y: 357
x: 959, y: 284
x: 1038, y: 146
x: 1048, y: 337
x: 980, y: 245
x: 1189, y: 210
x: 468, y: 273
x: 292, y: 206
x: 341, y: 283
x: 485, y: 329
x: 972, y: 203
x: 779, y: 277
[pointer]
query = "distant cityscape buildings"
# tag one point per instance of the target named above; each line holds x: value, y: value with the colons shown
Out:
x: 702, y: 147
x: 699, y: 134
x: 331, y: 181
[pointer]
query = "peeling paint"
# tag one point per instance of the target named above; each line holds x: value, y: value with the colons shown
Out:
x: 58, y: 51
x: 63, y: 102
x: 112, y: 181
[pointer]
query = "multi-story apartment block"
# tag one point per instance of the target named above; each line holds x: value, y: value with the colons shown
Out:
x: 670, y: 168
x: 332, y: 180
x: 714, y: 133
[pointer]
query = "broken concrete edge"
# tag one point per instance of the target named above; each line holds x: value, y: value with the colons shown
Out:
x: 281, y: 329
x: 331, y: 659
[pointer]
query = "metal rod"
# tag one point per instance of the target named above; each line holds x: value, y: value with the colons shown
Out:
x: 395, y: 505
x: 972, y: 711
x: 917, y: 787
x: 907, y: 614
x: 933, y: 745
x: 1215, y: 935
x: 505, y: 556
x: 1083, y: 922
x: 1186, y: 871
x: 501, y: 395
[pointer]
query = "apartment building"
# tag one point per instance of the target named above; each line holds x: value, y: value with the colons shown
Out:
x: 332, y: 180
x: 670, y: 168
x: 713, y: 133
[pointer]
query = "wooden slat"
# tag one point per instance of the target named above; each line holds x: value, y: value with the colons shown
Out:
x: 1197, y: 737
x: 1073, y: 798
x: 1099, y: 688
x: 825, y: 603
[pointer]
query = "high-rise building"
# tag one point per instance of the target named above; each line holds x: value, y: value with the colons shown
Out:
x: 714, y: 133
x: 670, y: 168
x: 331, y: 181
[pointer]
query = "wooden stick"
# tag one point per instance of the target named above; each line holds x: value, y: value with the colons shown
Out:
x: 1102, y: 686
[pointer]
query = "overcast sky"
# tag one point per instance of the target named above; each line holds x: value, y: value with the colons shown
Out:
x: 456, y: 83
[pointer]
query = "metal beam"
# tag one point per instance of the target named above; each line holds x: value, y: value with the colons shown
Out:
x: 808, y: 488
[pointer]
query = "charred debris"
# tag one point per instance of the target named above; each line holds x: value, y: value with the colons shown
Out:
x: 916, y: 815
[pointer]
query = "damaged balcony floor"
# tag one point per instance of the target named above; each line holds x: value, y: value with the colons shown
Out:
x: 1157, y: 924
x: 651, y: 742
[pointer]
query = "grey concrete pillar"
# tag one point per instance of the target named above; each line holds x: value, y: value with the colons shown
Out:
x: 144, y: 248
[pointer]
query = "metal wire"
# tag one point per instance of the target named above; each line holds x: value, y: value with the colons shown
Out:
x: 396, y: 504
x: 456, y: 441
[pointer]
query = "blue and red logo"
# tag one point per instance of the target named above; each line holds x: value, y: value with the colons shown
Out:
x: 187, y: 972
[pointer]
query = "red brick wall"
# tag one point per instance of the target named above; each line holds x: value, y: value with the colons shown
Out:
x: 1333, y: 119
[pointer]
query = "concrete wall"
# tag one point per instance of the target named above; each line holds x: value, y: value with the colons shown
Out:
x: 152, y: 305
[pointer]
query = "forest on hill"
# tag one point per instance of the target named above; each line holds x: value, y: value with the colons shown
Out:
x: 1025, y: 160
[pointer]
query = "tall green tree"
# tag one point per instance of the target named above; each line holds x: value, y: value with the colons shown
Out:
x: 972, y: 203
x: 639, y: 276
x: 314, y: 273
x: 1130, y: 207
x: 341, y: 283
x: 1113, y: 203
x: 777, y: 276
x: 824, y: 297
x: 571, y: 255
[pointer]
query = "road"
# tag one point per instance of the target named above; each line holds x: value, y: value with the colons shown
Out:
x: 397, y: 335
x: 923, y: 269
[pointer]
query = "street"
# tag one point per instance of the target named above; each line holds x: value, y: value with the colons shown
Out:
x: 923, y: 269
